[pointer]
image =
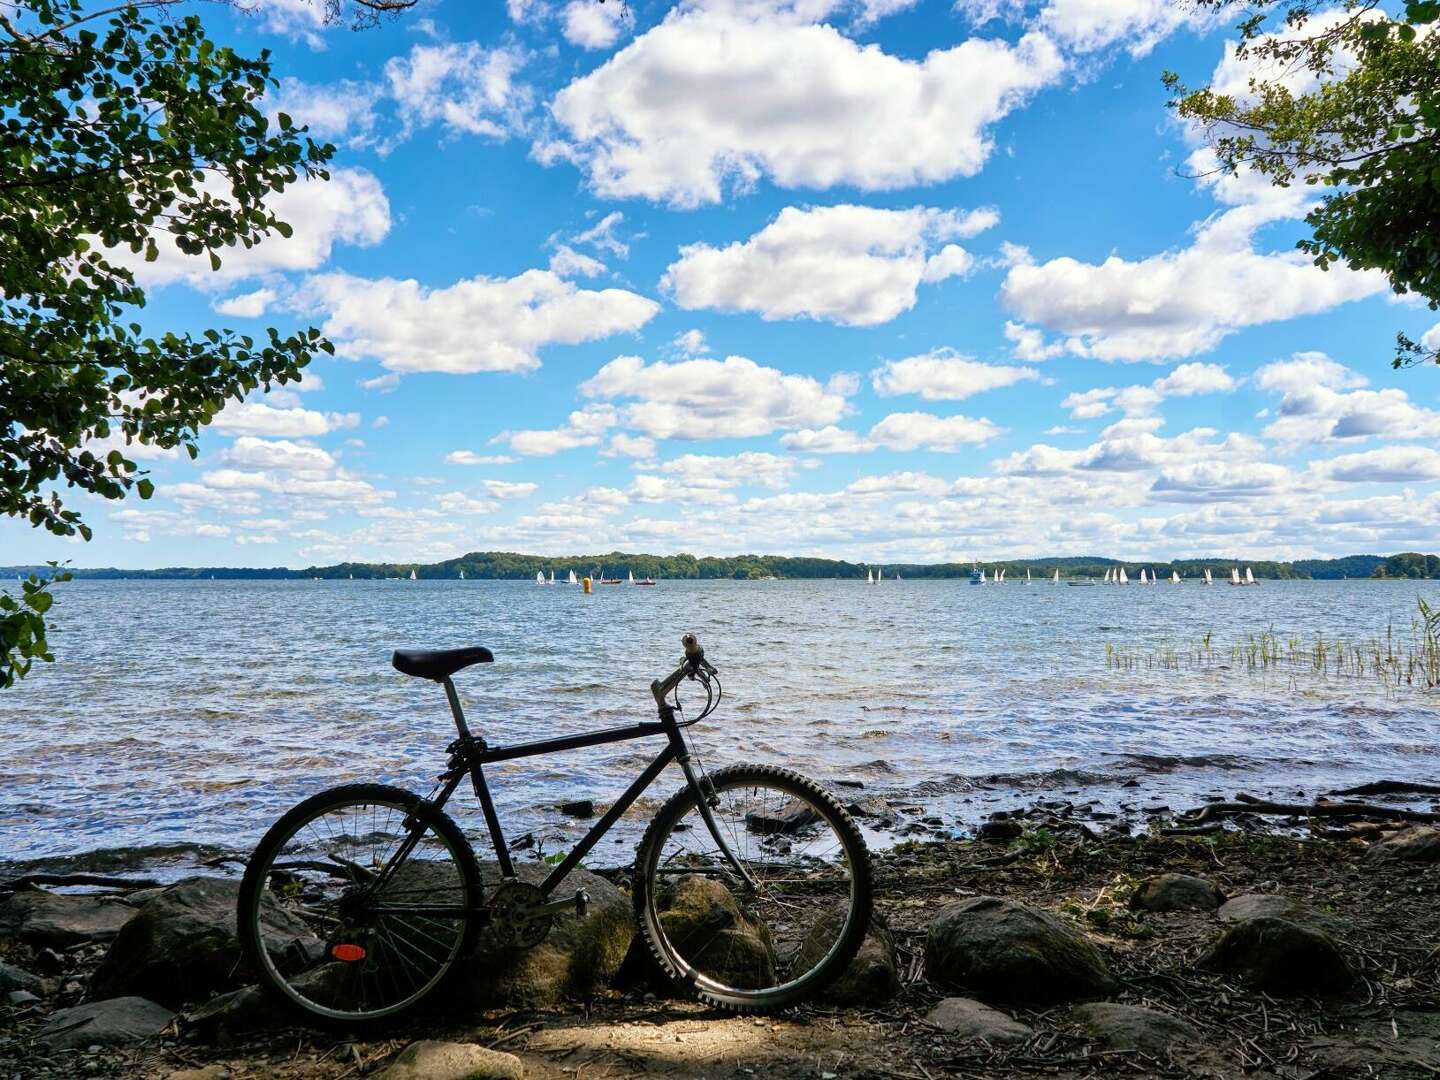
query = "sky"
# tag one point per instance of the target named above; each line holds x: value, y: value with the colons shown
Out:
x: 883, y: 280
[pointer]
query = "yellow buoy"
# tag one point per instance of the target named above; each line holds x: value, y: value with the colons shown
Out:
x: 585, y: 584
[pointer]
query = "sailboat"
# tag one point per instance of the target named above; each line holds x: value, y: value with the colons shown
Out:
x: 1000, y: 577
x: 1249, y: 577
x: 869, y: 577
x: 1208, y: 579
x: 573, y: 579
x: 879, y: 575
x: 462, y: 575
x: 552, y: 577
x: 603, y: 580
x: 1056, y: 579
x: 897, y: 575
x: 1027, y: 575
x: 1124, y: 577
x: 540, y: 578
x: 1235, y: 575
x: 412, y: 576
x: 1174, y: 577
x: 1108, y: 579
x: 1142, y: 577
x: 631, y: 577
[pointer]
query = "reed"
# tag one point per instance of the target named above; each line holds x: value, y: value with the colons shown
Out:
x: 1394, y: 660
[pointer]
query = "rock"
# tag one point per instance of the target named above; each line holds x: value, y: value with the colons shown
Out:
x: 1408, y: 845
x: 1280, y: 957
x: 581, y: 808
x: 182, y: 946
x: 431, y: 1060
x: 1264, y: 905
x: 251, y: 1009
x: 42, y: 919
x: 790, y: 818
x: 971, y: 1020
x: 577, y: 959
x: 207, y: 1072
x: 104, y: 1023
x: 1000, y: 830
x: 1129, y: 1027
x: 18, y: 998
x: 873, y: 975
x: 14, y: 978
x: 706, y: 922
x: 1009, y: 952
x: 1177, y: 892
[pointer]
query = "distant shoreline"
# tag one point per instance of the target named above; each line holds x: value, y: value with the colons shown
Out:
x: 496, y: 565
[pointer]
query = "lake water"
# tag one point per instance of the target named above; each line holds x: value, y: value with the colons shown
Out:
x: 199, y: 711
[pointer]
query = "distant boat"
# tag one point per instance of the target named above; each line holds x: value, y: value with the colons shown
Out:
x: 631, y: 577
x: 977, y: 576
x: 648, y: 580
x: 462, y: 575
x: 1107, y: 575
x: 573, y: 579
x: 1027, y: 575
x: 1124, y: 577
x: 412, y: 576
x: 352, y: 576
x: 869, y: 577
x: 1208, y: 579
x: 601, y: 579
x: 897, y: 575
x: 1249, y: 577
x: 540, y: 578
x: 1174, y: 577
x: 1142, y: 577
x: 879, y: 576
x: 999, y: 576
x: 1056, y: 579
x: 1235, y: 576
x: 552, y: 577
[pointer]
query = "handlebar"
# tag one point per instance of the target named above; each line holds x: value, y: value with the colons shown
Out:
x: 693, y: 664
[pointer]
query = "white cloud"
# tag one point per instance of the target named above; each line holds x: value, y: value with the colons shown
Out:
x: 567, y: 262
x: 632, y: 446
x: 257, y: 418
x: 1389, y: 464
x: 1187, y: 380
x: 944, y: 375
x: 703, y: 471
x: 583, y: 427
x: 1431, y: 338
x: 1321, y: 403
x: 709, y: 99
x: 381, y: 384
x: 344, y: 110
x: 1029, y: 344
x: 707, y: 399
x: 462, y: 86
x: 249, y: 305
x: 602, y: 236
x: 925, y: 431
x: 477, y: 324
x: 854, y: 265
x: 349, y: 208
x: 691, y: 343
x: 469, y: 457
x: 504, y: 489
x: 457, y: 502
x: 1085, y: 26
x: 284, y: 455
x: 826, y: 440
x: 593, y: 25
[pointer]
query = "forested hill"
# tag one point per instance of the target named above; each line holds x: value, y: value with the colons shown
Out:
x: 504, y: 564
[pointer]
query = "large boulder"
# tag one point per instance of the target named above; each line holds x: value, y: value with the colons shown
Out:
x: 1269, y: 906
x: 1416, y: 844
x: 872, y: 977
x: 706, y: 924
x: 59, y: 921
x: 251, y: 1009
x: 1130, y: 1027
x: 104, y: 1023
x: 13, y: 978
x: 1177, y: 892
x: 182, y: 946
x: 1009, y: 952
x: 431, y: 1060
x: 577, y: 959
x: 1280, y: 957
x: 969, y: 1019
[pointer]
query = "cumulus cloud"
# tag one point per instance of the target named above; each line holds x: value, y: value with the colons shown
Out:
x: 707, y: 399
x: 349, y: 208
x: 1321, y: 402
x: 1087, y: 26
x: 854, y: 265
x: 463, y: 87
x: 250, y: 452
x: 704, y: 471
x: 944, y: 375
x: 898, y: 431
x: 711, y: 98
x: 249, y: 305
x: 1186, y: 380
x: 583, y: 427
x: 592, y: 25
x: 258, y: 419
x: 469, y: 457
x: 343, y: 111
x: 477, y: 324
x: 1389, y: 464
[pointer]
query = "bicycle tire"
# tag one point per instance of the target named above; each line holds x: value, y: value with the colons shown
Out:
x: 252, y: 891
x: 647, y: 890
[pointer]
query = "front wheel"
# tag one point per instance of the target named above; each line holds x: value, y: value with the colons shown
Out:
x: 772, y: 914
x: 357, y: 905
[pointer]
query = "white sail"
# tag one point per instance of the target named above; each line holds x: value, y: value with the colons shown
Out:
x: 879, y: 575
x: 412, y: 576
x: 1142, y: 576
x: 1000, y: 577
x: 1027, y: 575
x: 462, y: 575
x: 982, y: 577
x: 1208, y: 579
x: 869, y: 577
x: 1174, y: 577
x: 573, y: 579
x: 1234, y: 575
x: 1056, y: 579
x: 1249, y: 577
x: 1124, y: 577
x: 552, y: 577
x: 631, y: 577
x: 539, y: 577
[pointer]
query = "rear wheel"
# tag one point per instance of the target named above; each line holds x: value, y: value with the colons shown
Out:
x: 782, y: 935
x: 332, y: 941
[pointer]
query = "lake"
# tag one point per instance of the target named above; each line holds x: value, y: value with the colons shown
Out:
x: 200, y: 710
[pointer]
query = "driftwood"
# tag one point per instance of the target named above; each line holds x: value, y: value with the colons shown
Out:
x: 96, y: 880
x: 1391, y: 787
x: 1249, y: 804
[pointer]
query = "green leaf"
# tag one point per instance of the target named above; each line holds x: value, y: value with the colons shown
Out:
x: 145, y: 487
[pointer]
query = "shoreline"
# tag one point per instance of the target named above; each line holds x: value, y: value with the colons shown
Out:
x: 1376, y: 909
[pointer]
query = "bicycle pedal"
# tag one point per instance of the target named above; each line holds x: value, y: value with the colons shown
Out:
x: 582, y: 903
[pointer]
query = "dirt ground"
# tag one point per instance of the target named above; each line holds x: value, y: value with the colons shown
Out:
x: 1382, y: 914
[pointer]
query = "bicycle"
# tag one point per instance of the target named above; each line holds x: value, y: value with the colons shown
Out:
x: 751, y: 885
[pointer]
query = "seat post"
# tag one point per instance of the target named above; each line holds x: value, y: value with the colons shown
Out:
x: 455, y: 707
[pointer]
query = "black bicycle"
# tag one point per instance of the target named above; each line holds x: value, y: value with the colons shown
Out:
x: 751, y: 885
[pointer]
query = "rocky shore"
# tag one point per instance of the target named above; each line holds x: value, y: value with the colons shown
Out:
x: 1049, y: 944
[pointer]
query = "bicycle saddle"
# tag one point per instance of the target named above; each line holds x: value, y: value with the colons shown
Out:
x: 439, y: 664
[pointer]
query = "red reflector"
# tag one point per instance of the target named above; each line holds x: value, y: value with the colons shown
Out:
x: 348, y: 953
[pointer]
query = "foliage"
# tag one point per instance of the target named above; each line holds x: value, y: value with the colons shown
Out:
x: 123, y: 130
x: 22, y: 626
x: 1409, y: 564
x: 1348, y: 98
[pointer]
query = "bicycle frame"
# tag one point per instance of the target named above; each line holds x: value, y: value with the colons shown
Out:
x: 470, y: 753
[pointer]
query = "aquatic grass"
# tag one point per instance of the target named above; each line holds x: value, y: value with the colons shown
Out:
x: 1395, y: 660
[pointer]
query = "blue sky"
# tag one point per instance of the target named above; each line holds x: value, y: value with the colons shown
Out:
x: 876, y: 280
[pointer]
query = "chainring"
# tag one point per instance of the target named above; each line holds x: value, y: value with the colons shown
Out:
x: 511, y: 921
